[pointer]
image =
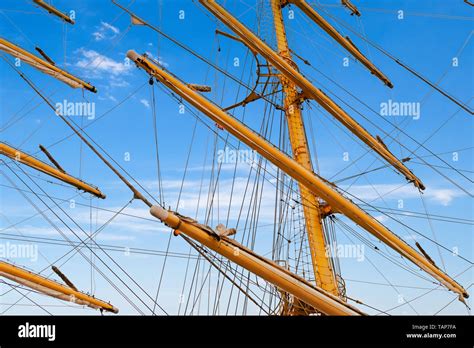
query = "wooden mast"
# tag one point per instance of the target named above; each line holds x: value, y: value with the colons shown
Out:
x: 315, y: 183
x: 323, y: 272
x: 309, y: 90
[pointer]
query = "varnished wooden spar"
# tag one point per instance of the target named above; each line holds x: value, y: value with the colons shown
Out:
x: 54, y: 11
x: 34, y: 163
x: 44, y: 66
x: 311, y: 180
x: 52, y: 288
x: 344, y: 42
x: 323, y: 272
x: 309, y: 90
x: 351, y: 7
x: 321, y: 300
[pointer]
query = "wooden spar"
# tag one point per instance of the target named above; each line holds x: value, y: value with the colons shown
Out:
x: 45, y: 56
x: 309, y: 90
x: 344, y: 42
x: 44, y: 66
x: 136, y: 193
x: 51, y: 158
x: 323, y: 272
x: 311, y: 180
x: 52, y: 288
x: 300, y: 288
x: 351, y: 7
x: 54, y: 11
x: 321, y: 300
x: 63, y: 277
x: 230, y: 36
x: 34, y: 163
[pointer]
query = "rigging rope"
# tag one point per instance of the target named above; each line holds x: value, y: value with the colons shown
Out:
x: 399, y: 62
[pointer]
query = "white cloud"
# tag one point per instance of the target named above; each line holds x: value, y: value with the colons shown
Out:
x: 369, y: 193
x: 105, y: 236
x: 117, y: 81
x: 381, y: 218
x: 145, y: 102
x: 125, y: 227
x: 48, y: 231
x: 97, y: 65
x: 443, y: 196
x: 98, y: 36
x: 115, y: 30
x: 159, y: 60
x: 190, y: 193
x: 241, y: 166
x: 108, y: 97
x: 105, y: 31
x: 411, y: 237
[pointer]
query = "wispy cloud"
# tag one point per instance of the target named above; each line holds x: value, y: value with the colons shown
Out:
x: 48, y: 231
x: 157, y: 59
x: 137, y: 220
x: 105, y: 31
x: 442, y: 196
x: 115, y: 30
x: 107, y: 97
x: 233, y: 197
x: 381, y: 218
x: 145, y: 102
x: 117, y: 81
x: 95, y: 64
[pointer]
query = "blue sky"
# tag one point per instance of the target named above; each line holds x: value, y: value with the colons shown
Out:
x: 428, y: 38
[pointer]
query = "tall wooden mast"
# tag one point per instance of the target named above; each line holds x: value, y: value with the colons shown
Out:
x: 323, y: 272
x: 310, y: 91
x: 311, y: 180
